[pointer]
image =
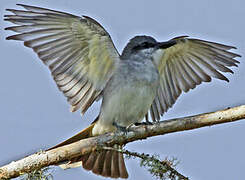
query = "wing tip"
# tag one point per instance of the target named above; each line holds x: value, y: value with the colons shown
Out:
x: 238, y: 55
x: 10, y: 38
x: 180, y: 37
x: 75, y: 108
x: 225, y: 79
x: 20, y: 4
x: 9, y: 10
x: 7, y: 28
x: 28, y: 44
x: 6, y: 18
x: 72, y: 109
x: 14, y: 37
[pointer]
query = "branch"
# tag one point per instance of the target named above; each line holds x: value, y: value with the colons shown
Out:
x: 64, y: 153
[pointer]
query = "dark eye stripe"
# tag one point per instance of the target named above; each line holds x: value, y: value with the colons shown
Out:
x: 148, y: 45
x: 144, y: 45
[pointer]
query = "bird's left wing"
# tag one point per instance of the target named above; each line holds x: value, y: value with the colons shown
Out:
x: 78, y: 51
x: 187, y: 64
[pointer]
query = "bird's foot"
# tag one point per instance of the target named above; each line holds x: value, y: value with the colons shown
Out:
x: 143, y: 123
x: 120, y: 128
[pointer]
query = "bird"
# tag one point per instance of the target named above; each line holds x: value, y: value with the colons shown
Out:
x: 146, y: 78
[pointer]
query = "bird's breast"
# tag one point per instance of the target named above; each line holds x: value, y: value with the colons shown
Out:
x: 128, y: 96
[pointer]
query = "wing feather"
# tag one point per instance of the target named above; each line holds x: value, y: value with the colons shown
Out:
x: 187, y: 64
x: 78, y: 51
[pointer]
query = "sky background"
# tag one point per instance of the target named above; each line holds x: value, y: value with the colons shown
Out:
x: 35, y: 115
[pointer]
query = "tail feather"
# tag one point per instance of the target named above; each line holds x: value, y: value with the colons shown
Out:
x: 99, y: 163
x: 122, y: 166
x: 89, y: 164
x: 114, y: 165
x: 107, y: 163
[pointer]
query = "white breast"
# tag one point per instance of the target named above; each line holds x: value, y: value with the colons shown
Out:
x: 127, y: 97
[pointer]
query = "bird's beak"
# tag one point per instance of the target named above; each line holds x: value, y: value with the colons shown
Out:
x: 165, y: 45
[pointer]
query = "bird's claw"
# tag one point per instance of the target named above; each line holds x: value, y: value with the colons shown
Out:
x: 143, y: 123
x: 127, y: 129
x: 121, y: 128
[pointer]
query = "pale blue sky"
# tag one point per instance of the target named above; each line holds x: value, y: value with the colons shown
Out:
x: 35, y: 115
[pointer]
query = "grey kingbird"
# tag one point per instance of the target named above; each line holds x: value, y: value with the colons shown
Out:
x: 147, y: 77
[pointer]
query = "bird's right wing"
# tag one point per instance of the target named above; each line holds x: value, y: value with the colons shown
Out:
x: 78, y: 51
x: 187, y: 64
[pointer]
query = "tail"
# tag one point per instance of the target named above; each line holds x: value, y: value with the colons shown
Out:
x: 85, y: 133
x: 107, y: 163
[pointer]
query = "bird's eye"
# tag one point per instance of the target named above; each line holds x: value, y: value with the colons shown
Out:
x: 144, y: 44
x: 147, y: 45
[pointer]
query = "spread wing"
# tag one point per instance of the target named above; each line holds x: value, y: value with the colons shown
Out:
x: 78, y: 51
x: 187, y: 64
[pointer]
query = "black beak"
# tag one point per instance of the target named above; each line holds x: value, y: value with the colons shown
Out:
x: 167, y: 44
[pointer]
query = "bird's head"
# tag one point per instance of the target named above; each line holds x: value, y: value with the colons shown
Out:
x: 143, y: 47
